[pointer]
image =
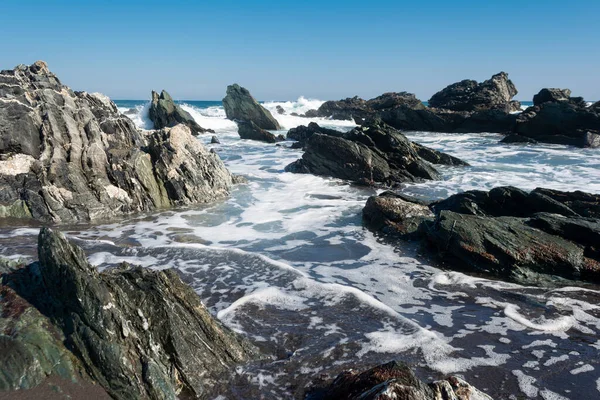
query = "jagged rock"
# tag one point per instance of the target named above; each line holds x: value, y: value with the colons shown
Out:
x: 468, y: 95
x: 71, y: 156
x: 241, y: 106
x: 437, y: 157
x: 346, y: 109
x: 393, y: 380
x: 140, y: 333
x: 374, y: 152
x: 302, y: 133
x: 506, y: 232
x: 395, y: 99
x: 164, y: 113
x: 557, y: 118
x: 280, y: 110
x: 249, y: 130
x: 214, y: 140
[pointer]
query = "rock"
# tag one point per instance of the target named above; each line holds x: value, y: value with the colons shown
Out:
x: 280, y: 110
x: 437, y: 157
x: 560, y: 119
x: 241, y: 106
x: 392, y: 214
x: 395, y: 99
x: 140, y: 333
x: 214, y: 140
x: 347, y: 109
x: 249, y: 130
x: 584, y: 204
x: 71, y: 156
x: 393, y: 380
x: 374, y: 152
x: 164, y: 113
x: 302, y: 133
x: 468, y: 95
x: 311, y: 114
x: 514, y: 138
x: 551, y: 95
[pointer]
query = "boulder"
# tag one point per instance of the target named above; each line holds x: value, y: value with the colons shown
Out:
x: 241, y: 106
x: 393, y: 380
x: 393, y: 214
x: 346, y: 109
x: 71, y: 156
x: 280, y: 110
x: 468, y: 95
x: 164, y: 113
x: 302, y: 133
x: 139, y: 333
x: 249, y: 130
x: 374, y: 152
x: 214, y: 140
x: 557, y: 118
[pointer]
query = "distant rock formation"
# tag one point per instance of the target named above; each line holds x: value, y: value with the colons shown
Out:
x: 240, y: 106
x: 139, y: 333
x: 71, y: 156
x: 369, y: 154
x: 558, y: 118
x: 393, y: 380
x: 504, y: 232
x: 164, y: 113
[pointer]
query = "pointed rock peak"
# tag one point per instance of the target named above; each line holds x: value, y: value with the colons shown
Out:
x: 39, y: 67
x: 56, y: 252
x: 165, y: 95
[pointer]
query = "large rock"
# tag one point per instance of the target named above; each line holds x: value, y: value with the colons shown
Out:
x: 241, y: 106
x: 505, y: 232
x: 164, y: 113
x: 374, y: 152
x: 139, y: 333
x: 557, y: 118
x: 468, y: 95
x: 393, y: 380
x: 71, y: 156
x: 302, y: 133
x: 249, y: 130
x: 346, y: 109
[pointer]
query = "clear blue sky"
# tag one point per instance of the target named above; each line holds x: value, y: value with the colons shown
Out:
x: 321, y: 49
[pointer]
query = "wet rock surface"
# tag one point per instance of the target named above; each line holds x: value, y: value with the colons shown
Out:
x: 393, y: 380
x: 164, y: 113
x: 249, y: 130
x: 374, y: 152
x: 505, y: 232
x: 241, y: 106
x: 139, y: 333
x: 302, y: 133
x: 71, y: 156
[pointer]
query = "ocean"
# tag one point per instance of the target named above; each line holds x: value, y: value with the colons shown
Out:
x: 286, y: 261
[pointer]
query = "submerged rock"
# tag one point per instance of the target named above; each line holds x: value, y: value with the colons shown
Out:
x: 139, y: 333
x: 374, y: 152
x: 215, y: 140
x: 468, y: 95
x: 71, y: 156
x: 558, y: 118
x: 241, y: 106
x: 505, y: 232
x: 164, y: 113
x: 393, y: 380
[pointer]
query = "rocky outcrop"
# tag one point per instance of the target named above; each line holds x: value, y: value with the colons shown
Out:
x: 302, y: 133
x: 280, y: 110
x: 164, y: 113
x: 241, y: 106
x: 249, y: 130
x: 139, y: 333
x: 468, y: 95
x: 374, y: 152
x: 505, y: 232
x: 71, y: 156
x: 393, y: 380
x: 558, y: 118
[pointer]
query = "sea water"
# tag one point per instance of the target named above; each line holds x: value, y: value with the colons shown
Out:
x: 286, y: 261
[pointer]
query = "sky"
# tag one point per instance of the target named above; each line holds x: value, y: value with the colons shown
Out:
x: 281, y: 50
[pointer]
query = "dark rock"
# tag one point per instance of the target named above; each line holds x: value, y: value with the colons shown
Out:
x: 551, y: 95
x: 164, y: 113
x: 404, y: 117
x: 584, y: 204
x: 514, y: 138
x: 140, y: 333
x: 249, y: 130
x: 560, y: 120
x: 395, y: 99
x: 468, y: 95
x: 89, y: 162
x: 302, y: 133
x: 437, y: 157
x: 394, y: 215
x: 241, y: 106
x: 280, y: 110
x: 347, y: 109
x: 311, y: 114
x: 371, y: 153
x: 214, y: 140
x: 493, y: 120
x: 393, y: 380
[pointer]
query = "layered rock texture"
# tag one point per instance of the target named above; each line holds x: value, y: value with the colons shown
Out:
x: 505, y: 232
x: 139, y: 333
x: 71, y: 156
x: 253, y: 119
x: 393, y: 381
x: 369, y: 154
x: 164, y: 113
